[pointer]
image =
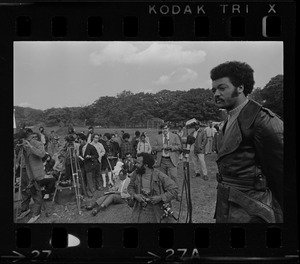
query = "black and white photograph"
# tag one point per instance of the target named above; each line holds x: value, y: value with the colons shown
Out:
x: 148, y: 132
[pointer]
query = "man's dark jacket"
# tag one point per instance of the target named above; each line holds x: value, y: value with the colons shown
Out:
x: 89, y: 163
x: 250, y: 164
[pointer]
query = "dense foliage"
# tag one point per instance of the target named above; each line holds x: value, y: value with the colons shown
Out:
x: 135, y: 110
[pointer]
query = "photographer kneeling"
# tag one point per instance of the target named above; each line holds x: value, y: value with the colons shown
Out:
x: 33, y: 152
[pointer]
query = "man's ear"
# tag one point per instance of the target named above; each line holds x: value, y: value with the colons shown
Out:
x: 240, y: 89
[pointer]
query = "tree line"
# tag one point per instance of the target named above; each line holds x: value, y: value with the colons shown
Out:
x: 134, y: 110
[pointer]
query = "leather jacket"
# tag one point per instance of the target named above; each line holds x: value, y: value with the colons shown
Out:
x: 250, y: 164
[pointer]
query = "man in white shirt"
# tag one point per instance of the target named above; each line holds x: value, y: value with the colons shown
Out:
x: 101, y: 151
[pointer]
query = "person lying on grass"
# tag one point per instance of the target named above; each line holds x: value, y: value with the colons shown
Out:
x: 116, y: 195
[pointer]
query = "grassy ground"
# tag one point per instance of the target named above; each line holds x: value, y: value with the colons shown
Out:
x: 203, y: 202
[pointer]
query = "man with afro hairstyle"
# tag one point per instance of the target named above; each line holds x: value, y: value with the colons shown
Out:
x: 250, y: 151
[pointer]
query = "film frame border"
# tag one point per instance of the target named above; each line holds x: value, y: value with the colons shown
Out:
x: 112, y: 17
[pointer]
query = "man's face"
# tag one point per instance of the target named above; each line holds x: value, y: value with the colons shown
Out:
x: 225, y: 93
x: 139, y: 162
x: 165, y: 130
x: 143, y: 138
x: 96, y: 139
x: 140, y: 167
x: 122, y: 176
x: 81, y: 142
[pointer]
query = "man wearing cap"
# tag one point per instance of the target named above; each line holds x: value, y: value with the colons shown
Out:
x: 168, y: 147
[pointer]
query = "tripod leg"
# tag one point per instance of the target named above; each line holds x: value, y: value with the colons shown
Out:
x: 74, y: 180
x: 19, y: 192
x: 190, y: 208
x: 20, y: 182
x: 80, y: 180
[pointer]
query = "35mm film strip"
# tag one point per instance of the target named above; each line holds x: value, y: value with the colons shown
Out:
x: 48, y: 48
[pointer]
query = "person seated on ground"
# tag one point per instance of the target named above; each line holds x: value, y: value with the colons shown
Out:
x: 116, y: 195
x: 117, y: 169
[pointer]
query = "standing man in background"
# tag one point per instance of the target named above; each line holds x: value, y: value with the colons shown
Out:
x: 44, y: 138
x: 168, y: 147
x: 89, y: 155
x: 89, y: 134
x: 135, y: 140
x: 143, y: 145
x: 199, y: 150
x: 101, y: 151
x: 210, y: 132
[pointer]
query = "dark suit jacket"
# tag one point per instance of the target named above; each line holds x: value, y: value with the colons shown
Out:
x: 89, y: 163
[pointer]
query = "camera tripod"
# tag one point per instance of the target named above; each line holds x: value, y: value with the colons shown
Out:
x: 77, y: 179
x: 186, y: 187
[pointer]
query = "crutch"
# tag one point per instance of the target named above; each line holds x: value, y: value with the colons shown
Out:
x: 109, y: 167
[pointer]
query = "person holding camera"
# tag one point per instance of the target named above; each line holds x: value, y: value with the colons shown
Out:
x: 33, y: 152
x: 150, y: 188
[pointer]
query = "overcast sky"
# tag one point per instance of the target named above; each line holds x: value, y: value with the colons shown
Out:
x: 59, y: 74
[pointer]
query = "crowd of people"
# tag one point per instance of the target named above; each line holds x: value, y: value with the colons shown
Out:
x: 144, y: 174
